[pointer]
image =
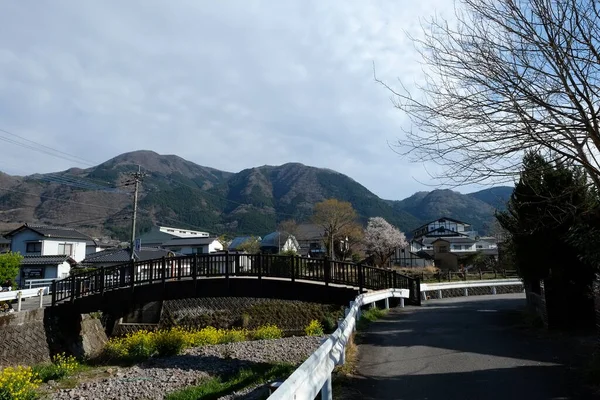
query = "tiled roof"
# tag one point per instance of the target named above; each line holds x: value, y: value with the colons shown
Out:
x: 201, y: 241
x: 45, y: 260
x: 52, y: 232
x: 124, y: 255
x: 238, y: 241
x: 306, y: 232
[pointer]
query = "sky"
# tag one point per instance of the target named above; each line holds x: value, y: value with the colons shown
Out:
x: 225, y: 84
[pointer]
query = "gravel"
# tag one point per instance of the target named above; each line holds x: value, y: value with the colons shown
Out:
x: 156, y: 377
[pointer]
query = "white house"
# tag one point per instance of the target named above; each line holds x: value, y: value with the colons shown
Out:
x: 158, y: 235
x: 277, y: 242
x: 198, y: 245
x: 37, y: 240
x: 49, y: 252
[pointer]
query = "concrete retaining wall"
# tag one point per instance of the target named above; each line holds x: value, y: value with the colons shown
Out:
x: 23, y: 339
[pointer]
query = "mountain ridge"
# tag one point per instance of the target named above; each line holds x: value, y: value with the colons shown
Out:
x: 176, y: 191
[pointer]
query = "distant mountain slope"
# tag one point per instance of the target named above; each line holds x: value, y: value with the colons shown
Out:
x: 497, y: 197
x: 428, y: 206
x: 177, y: 192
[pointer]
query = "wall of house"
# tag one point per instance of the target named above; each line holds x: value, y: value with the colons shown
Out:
x: 50, y: 248
x: 19, y: 241
x: 63, y: 270
x: 462, y: 247
x: 289, y: 245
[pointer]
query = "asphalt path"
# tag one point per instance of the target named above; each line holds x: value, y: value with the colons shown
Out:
x: 462, y: 348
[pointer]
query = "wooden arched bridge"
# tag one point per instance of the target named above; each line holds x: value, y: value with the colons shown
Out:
x: 121, y: 287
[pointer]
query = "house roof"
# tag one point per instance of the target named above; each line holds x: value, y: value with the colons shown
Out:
x: 309, y: 232
x: 238, y: 241
x: 441, y: 219
x: 46, y: 260
x: 124, y: 255
x: 455, y: 239
x: 155, y: 236
x: 51, y: 232
x: 275, y: 239
x: 200, y: 241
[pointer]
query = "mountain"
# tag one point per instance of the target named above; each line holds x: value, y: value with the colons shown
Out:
x: 475, y: 208
x: 180, y: 193
x: 497, y: 197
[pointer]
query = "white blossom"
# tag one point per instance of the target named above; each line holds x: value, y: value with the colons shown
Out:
x: 382, y: 239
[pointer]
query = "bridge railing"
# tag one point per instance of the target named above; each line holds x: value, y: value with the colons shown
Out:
x: 227, y: 265
x: 489, y: 286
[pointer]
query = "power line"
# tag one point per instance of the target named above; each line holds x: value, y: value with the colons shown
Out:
x: 41, y: 148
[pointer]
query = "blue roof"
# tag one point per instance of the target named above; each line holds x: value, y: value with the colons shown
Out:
x: 238, y: 241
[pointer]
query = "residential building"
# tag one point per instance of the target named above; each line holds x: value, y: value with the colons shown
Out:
x: 111, y: 257
x: 4, y: 245
x: 158, y: 235
x: 96, y: 245
x: 443, y: 227
x: 237, y: 242
x: 45, y: 267
x: 310, y: 240
x: 38, y: 240
x: 193, y: 245
x: 277, y: 242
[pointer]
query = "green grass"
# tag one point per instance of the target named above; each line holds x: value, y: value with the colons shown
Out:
x: 214, y: 388
x: 369, y: 316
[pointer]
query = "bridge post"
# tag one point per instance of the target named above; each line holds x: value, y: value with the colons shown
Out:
x: 132, y: 273
x: 163, y: 270
x: 395, y: 280
x: 227, y: 267
x: 293, y: 260
x: 418, y: 284
x: 150, y: 272
x: 195, y: 268
x: 54, y: 293
x: 360, y: 278
x: 327, y: 270
x: 387, y: 303
x: 259, y: 265
x: 72, y: 288
x: 102, y: 279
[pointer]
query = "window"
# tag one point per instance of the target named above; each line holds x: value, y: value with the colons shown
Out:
x: 458, y: 247
x: 479, y: 246
x: 65, y: 248
x: 34, y: 247
x: 198, y: 250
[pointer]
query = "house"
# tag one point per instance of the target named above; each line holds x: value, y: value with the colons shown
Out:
x: 405, y: 258
x: 310, y: 240
x: 158, y: 235
x: 4, y: 245
x: 193, y: 245
x: 96, y: 245
x: 445, y: 227
x: 38, y: 240
x: 45, y: 267
x: 237, y: 242
x: 111, y: 257
x: 277, y: 242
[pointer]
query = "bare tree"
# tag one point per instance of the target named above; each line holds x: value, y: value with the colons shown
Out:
x: 289, y: 226
x: 382, y: 239
x: 334, y: 216
x: 506, y: 77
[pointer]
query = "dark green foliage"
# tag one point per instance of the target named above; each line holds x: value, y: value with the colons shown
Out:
x: 9, y: 266
x: 547, y: 222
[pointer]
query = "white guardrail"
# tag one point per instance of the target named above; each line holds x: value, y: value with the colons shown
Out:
x: 38, y: 283
x: 465, y: 285
x: 23, y: 294
x: 314, y: 374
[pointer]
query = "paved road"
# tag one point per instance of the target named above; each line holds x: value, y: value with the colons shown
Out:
x: 463, y: 348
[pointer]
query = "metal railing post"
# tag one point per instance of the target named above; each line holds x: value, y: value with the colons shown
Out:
x: 163, y: 270
x: 132, y: 273
x: 293, y: 267
x: 361, y: 278
x: 19, y: 294
x: 327, y: 270
x: 327, y: 390
x: 53, y: 293
x: 102, y: 280
x: 418, y: 283
x: 72, y: 288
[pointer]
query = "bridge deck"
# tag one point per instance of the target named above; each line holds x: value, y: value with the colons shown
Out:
x: 462, y: 348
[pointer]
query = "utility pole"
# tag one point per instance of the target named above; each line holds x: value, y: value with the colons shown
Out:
x: 137, y: 177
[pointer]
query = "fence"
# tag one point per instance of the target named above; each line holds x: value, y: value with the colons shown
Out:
x: 452, y: 276
x: 231, y: 265
x: 23, y: 294
x: 38, y: 283
x: 314, y: 374
x: 482, y: 287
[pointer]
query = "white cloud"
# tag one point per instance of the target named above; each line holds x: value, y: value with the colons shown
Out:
x: 226, y: 84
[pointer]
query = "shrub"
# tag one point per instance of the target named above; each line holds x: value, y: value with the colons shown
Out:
x: 314, y: 328
x: 329, y: 323
x: 61, y: 366
x: 234, y: 335
x: 140, y: 345
x: 267, y: 332
x: 170, y: 343
x: 208, y: 335
x: 18, y: 383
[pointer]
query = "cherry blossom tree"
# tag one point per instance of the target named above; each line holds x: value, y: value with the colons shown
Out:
x: 382, y: 239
